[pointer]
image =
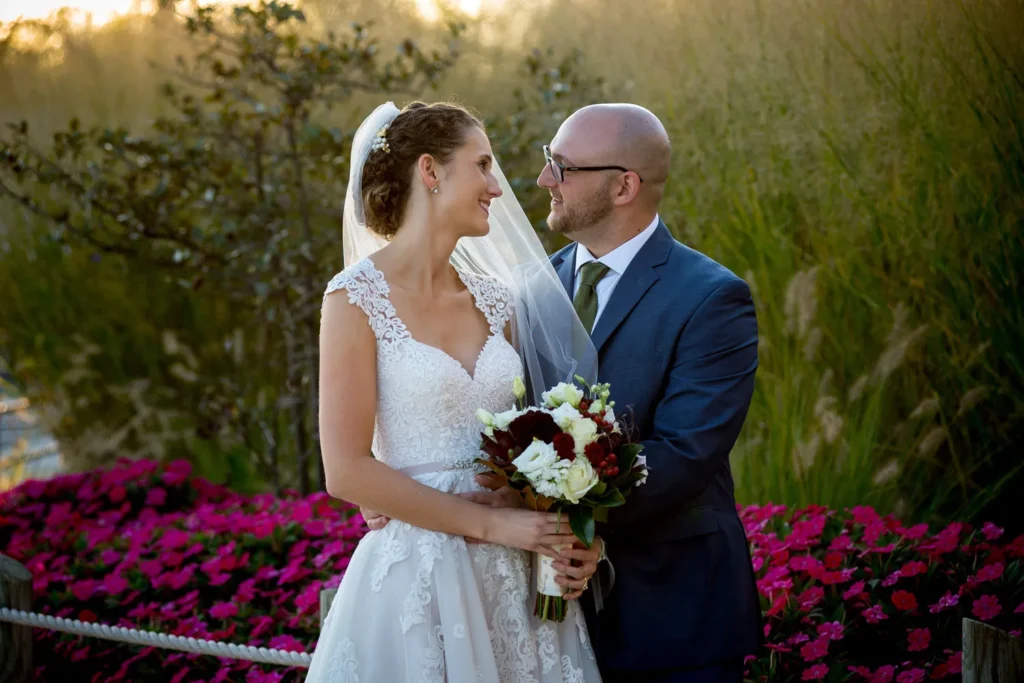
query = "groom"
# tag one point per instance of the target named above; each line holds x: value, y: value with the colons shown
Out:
x: 677, y: 339
x: 676, y: 335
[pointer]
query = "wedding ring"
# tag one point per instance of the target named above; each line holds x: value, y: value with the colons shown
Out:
x: 586, y: 582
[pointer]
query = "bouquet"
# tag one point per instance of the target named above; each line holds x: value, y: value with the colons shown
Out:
x: 567, y: 455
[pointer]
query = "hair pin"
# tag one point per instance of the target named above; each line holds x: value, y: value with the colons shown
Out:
x: 380, y: 141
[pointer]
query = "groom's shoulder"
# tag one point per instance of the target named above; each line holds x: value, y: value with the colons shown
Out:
x: 697, y: 269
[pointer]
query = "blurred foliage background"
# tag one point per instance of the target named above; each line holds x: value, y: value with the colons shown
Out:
x: 171, y: 187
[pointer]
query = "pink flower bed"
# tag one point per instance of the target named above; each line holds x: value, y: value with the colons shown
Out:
x: 149, y: 546
x: 855, y: 596
x: 847, y: 595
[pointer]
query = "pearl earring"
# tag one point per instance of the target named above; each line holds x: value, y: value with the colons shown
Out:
x: 434, y: 189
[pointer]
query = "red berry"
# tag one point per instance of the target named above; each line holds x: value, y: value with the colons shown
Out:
x: 612, y: 459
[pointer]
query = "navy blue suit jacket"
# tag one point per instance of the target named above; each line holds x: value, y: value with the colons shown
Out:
x: 677, y: 341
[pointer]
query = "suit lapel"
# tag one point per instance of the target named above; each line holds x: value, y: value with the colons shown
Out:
x: 563, y: 263
x: 640, y: 275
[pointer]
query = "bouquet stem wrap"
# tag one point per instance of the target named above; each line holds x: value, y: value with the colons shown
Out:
x: 551, y: 606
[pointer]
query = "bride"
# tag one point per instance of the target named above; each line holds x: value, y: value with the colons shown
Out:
x: 446, y: 298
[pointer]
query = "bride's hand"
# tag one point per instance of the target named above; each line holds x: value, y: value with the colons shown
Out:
x: 529, y: 530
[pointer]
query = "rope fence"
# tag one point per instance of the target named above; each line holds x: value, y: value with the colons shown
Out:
x: 164, y: 641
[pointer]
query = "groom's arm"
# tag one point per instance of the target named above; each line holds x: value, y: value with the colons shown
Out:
x: 702, y: 410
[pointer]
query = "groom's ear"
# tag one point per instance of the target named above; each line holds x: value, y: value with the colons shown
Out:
x: 627, y: 189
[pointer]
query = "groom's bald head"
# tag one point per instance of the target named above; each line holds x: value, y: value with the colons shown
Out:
x: 602, y: 209
x: 625, y: 135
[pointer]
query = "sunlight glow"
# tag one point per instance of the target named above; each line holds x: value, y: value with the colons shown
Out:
x: 96, y: 12
x: 430, y: 10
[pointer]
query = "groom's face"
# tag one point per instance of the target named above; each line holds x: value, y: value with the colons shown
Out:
x: 578, y: 200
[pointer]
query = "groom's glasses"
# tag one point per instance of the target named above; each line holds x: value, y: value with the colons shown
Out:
x: 558, y: 169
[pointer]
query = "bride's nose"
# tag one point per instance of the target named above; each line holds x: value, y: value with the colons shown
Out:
x: 494, y: 190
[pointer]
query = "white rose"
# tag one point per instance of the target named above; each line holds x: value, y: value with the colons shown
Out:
x: 565, y: 415
x: 579, y: 478
x: 562, y: 393
x: 536, y: 460
x: 583, y: 432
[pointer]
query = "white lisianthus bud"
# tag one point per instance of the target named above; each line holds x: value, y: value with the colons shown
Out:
x: 641, y: 461
x: 536, y: 460
x: 562, y: 393
x: 578, y: 480
x: 518, y: 388
x: 583, y: 432
x: 564, y: 415
x: 485, y: 417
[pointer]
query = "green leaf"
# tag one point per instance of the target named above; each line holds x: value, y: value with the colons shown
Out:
x: 627, y: 456
x: 612, y: 499
x: 581, y: 518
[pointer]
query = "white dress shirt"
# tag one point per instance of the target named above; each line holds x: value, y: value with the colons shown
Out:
x: 617, y: 261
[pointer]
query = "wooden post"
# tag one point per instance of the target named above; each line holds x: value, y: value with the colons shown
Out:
x: 990, y: 654
x: 326, y: 598
x: 15, y: 640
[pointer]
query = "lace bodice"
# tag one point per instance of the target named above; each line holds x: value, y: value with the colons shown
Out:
x: 426, y: 400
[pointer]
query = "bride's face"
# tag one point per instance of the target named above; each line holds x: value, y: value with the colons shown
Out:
x: 468, y: 185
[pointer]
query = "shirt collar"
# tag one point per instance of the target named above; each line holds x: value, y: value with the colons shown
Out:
x: 618, y: 259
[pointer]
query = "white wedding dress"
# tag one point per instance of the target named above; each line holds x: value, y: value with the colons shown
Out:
x: 417, y: 605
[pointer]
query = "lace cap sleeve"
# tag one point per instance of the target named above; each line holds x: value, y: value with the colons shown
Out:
x: 494, y: 298
x: 368, y: 290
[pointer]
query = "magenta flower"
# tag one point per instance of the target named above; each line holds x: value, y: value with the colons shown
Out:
x: 884, y: 674
x: 832, y: 630
x: 83, y: 590
x: 816, y: 649
x: 913, y: 568
x: 114, y: 584
x: 990, y: 572
x: 945, y: 602
x: 918, y: 639
x: 911, y: 676
x: 854, y: 591
x: 156, y: 497
x: 224, y: 610
x: 875, y: 614
x: 904, y: 601
x: 811, y: 597
x: 990, y: 531
x: 814, y: 673
x: 986, y: 608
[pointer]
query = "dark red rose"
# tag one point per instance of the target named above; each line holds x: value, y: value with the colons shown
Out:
x: 565, y: 446
x: 532, y: 425
x: 595, y: 453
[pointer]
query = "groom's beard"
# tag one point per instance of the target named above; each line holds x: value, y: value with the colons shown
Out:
x: 583, y: 215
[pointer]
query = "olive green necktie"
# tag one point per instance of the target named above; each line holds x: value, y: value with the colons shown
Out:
x: 585, y: 302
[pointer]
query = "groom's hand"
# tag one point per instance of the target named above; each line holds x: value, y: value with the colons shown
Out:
x: 497, y: 494
x: 374, y: 520
x: 575, y: 567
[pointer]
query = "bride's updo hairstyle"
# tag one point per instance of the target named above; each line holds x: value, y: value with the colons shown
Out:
x: 435, y: 129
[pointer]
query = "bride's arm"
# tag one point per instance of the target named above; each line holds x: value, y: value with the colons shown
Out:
x: 348, y: 402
